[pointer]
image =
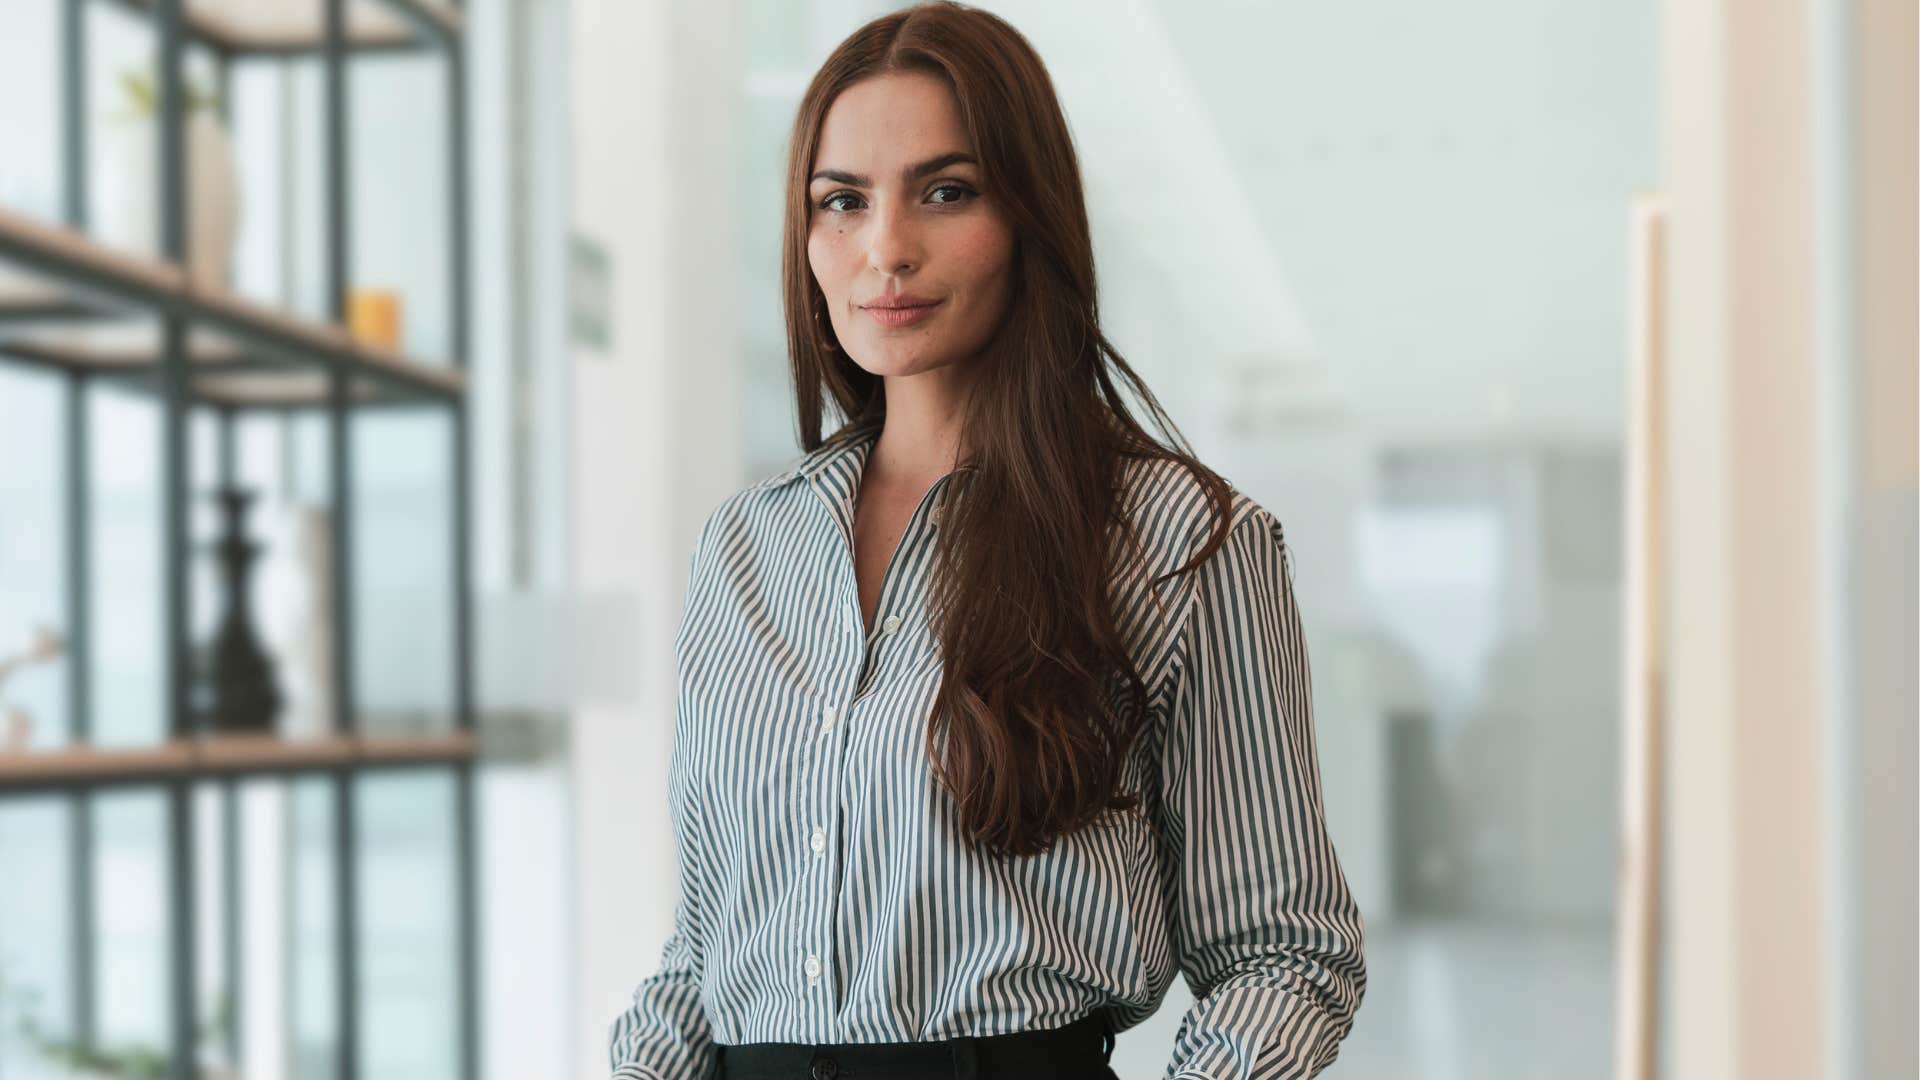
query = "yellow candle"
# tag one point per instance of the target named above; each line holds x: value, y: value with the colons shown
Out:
x: 373, y: 316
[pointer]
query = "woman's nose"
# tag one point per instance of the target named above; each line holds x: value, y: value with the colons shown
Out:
x: 894, y: 243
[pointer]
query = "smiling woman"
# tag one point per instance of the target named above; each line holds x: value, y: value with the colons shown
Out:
x: 925, y: 220
x: 993, y: 712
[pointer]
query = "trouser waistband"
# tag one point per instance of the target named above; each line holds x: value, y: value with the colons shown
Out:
x: 1078, y: 1050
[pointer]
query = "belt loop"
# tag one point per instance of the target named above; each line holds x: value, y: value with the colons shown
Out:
x: 966, y: 1058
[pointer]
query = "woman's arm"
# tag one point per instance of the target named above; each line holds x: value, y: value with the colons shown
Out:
x: 1268, y: 937
x: 664, y: 1034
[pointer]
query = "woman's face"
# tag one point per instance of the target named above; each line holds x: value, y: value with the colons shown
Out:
x: 898, y: 210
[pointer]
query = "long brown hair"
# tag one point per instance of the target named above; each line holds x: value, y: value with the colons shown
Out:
x: 1036, y: 741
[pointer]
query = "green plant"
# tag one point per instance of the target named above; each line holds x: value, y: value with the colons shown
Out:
x: 132, y: 1063
x: 135, y: 1062
x: 145, y: 99
x: 11, y: 991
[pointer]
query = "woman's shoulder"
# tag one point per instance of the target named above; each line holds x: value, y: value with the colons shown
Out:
x: 1174, y: 509
x: 761, y: 507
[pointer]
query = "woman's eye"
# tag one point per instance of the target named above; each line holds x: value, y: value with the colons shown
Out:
x: 828, y: 202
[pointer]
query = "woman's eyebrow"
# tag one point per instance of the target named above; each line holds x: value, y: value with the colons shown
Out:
x: 911, y: 172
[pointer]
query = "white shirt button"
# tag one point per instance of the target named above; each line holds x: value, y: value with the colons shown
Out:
x: 934, y: 515
x: 819, y: 841
x: 892, y: 624
x: 826, y: 716
x: 813, y: 967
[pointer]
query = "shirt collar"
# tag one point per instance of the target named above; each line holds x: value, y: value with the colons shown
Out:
x: 834, y: 467
x: 845, y: 451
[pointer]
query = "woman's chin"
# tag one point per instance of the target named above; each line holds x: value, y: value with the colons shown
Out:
x: 888, y: 363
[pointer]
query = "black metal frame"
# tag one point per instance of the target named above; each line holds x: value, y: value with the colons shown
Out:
x: 434, y: 27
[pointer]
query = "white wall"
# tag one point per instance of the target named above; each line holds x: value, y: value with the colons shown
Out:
x: 655, y: 444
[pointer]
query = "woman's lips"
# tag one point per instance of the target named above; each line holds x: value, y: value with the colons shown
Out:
x: 901, y: 316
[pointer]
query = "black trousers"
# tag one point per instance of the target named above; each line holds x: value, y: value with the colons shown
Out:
x: 1078, y: 1051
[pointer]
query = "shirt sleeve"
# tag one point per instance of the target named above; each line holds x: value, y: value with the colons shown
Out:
x: 664, y: 1034
x: 1268, y: 937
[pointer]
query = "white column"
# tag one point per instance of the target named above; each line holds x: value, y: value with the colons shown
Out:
x: 1747, y: 890
x: 1788, y: 139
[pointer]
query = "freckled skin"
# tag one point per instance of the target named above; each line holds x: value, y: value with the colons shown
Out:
x: 939, y: 236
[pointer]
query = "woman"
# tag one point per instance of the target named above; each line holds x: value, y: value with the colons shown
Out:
x: 994, y: 711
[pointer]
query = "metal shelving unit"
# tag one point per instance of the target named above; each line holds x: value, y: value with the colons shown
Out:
x: 193, y: 349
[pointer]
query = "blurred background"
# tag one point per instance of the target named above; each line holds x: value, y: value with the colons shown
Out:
x: 366, y: 369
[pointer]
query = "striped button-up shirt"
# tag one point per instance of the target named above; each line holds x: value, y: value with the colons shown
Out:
x: 825, y: 891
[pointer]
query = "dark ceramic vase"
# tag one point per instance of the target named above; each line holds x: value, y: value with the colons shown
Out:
x: 236, y: 685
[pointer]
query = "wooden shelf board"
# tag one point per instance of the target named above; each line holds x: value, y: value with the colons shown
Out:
x: 33, y: 295
x: 220, y: 754
x: 224, y: 371
x: 124, y: 345
x: 277, y: 389
x: 261, y: 28
x: 153, y: 275
x: 118, y: 345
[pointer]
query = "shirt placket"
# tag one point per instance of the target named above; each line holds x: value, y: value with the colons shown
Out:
x: 822, y: 794
x: 817, y: 800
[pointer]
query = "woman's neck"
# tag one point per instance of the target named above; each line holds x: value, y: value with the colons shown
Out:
x: 920, y: 440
